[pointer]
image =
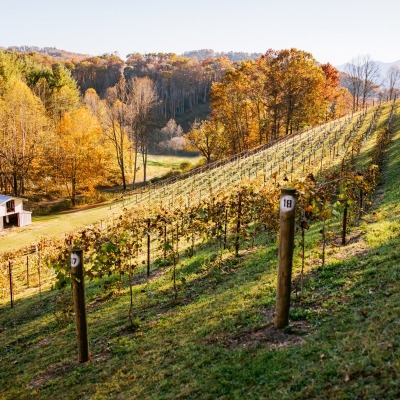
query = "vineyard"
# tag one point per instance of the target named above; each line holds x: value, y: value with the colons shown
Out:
x: 229, y: 203
x: 230, y: 207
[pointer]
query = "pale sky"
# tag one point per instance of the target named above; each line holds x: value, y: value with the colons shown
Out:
x: 332, y: 31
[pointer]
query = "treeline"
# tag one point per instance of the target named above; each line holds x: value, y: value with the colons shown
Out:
x: 259, y: 101
x: 57, y: 142
x: 48, y: 137
x: 234, y: 56
x: 68, y: 127
x: 57, y: 54
x: 180, y: 82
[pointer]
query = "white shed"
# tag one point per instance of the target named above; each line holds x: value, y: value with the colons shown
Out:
x: 12, y: 212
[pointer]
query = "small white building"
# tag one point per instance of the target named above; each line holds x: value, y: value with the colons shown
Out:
x: 12, y: 212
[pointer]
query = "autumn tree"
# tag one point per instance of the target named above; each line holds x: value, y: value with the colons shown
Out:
x: 278, y: 94
x: 207, y: 138
x: 361, y: 78
x: 332, y: 90
x: 115, y: 120
x: 141, y: 101
x: 303, y: 83
x: 231, y: 107
x: 393, y: 78
x: 92, y: 101
x: 78, y: 158
x: 22, y: 125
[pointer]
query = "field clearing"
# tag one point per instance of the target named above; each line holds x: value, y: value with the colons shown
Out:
x: 58, y: 224
x: 159, y: 165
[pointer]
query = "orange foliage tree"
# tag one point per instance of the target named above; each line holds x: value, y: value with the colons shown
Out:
x: 280, y: 93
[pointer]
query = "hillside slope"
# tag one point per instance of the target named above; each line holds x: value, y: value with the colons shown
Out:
x: 214, y: 339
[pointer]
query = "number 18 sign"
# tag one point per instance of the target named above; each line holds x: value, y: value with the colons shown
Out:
x: 288, y: 201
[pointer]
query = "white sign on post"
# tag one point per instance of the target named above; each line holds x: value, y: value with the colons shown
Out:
x: 75, y: 260
x: 287, y: 203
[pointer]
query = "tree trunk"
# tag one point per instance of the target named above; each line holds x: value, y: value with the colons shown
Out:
x: 134, y: 168
x: 15, y: 183
x: 73, y: 191
x: 144, y: 158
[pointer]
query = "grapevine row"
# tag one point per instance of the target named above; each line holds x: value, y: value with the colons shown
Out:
x: 230, y: 218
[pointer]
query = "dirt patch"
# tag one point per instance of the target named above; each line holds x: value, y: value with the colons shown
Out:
x: 355, y: 246
x: 272, y: 338
x: 52, y: 372
x: 266, y: 336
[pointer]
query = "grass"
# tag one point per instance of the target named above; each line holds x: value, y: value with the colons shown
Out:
x: 56, y: 225
x: 216, y: 340
x: 159, y: 165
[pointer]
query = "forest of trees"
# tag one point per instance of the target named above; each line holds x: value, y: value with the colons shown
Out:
x: 259, y: 101
x: 180, y: 82
x: 234, y: 56
x: 69, y: 126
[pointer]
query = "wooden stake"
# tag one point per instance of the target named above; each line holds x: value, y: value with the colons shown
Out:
x: 11, y: 285
x: 78, y: 287
x: 344, y: 226
x: 285, y: 256
x: 148, y: 247
x: 27, y: 271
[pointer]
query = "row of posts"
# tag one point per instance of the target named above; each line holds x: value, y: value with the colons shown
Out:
x: 285, y: 259
x: 283, y: 290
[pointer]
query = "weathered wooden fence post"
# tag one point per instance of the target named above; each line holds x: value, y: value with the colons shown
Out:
x: 27, y: 270
x: 148, y: 246
x: 11, y: 284
x: 78, y: 288
x: 285, y: 256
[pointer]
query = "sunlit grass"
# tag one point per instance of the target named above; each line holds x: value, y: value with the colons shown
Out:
x: 59, y: 224
x: 159, y: 165
x: 215, y: 340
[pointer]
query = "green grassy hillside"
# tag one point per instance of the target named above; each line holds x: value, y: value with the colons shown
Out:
x: 213, y: 337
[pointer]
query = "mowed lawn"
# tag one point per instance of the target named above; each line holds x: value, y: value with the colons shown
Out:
x: 57, y: 225
x: 159, y: 165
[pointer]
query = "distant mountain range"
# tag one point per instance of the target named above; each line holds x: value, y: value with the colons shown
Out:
x: 199, y: 54
x: 234, y: 56
x: 49, y: 51
x: 384, y: 68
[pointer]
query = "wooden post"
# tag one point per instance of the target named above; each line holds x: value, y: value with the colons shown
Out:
x: 148, y: 247
x: 27, y: 271
x: 11, y: 284
x: 78, y: 287
x: 344, y: 226
x: 285, y: 256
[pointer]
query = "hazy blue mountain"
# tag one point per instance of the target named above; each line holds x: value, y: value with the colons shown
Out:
x: 384, y: 67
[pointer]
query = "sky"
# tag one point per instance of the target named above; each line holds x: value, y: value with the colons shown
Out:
x: 332, y: 31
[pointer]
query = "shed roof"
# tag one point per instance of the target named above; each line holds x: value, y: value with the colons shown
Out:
x: 4, y: 198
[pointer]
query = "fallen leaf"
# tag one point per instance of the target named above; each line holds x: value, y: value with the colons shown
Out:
x: 364, y: 313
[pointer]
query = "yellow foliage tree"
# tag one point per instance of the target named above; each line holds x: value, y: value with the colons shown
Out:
x: 207, y: 138
x: 78, y: 158
x: 22, y: 124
